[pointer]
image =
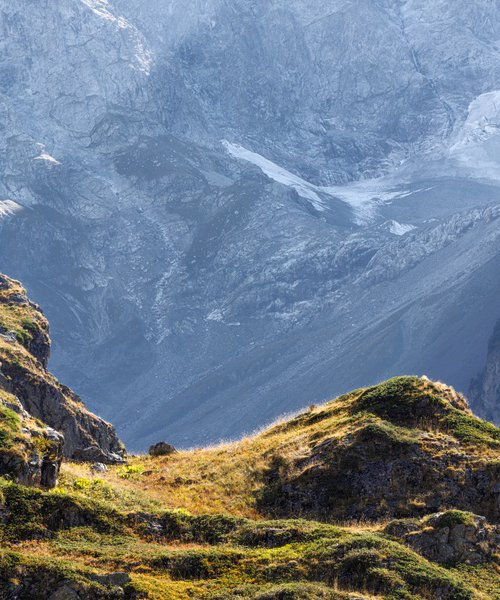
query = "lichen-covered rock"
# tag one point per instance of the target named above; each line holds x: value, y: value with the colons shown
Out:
x: 30, y: 452
x: 450, y: 537
x: 24, y: 354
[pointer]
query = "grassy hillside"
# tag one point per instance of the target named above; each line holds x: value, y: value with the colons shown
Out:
x: 336, y: 503
x: 427, y: 422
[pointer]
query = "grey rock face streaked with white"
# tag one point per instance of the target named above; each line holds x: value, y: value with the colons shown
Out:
x: 232, y: 210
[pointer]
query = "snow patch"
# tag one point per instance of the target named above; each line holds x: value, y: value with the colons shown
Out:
x: 363, y: 196
x: 8, y: 208
x: 482, y: 122
x: 400, y: 228
x: 279, y: 174
x: 46, y: 156
x: 216, y: 315
x: 476, y: 151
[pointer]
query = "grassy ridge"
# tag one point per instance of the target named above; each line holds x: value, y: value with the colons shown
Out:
x: 232, y: 478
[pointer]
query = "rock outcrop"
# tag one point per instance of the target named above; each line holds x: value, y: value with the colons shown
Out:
x: 35, y: 395
x: 405, y: 448
x: 30, y: 453
x: 449, y: 538
x: 95, y: 454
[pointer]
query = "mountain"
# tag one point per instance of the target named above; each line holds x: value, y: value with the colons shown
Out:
x: 485, y: 388
x: 230, y: 210
x: 388, y: 492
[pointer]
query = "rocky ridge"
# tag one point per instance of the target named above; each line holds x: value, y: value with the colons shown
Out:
x: 42, y: 420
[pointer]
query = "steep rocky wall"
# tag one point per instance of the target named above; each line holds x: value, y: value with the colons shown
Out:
x: 24, y: 354
x: 30, y: 452
x: 178, y: 277
x: 485, y: 389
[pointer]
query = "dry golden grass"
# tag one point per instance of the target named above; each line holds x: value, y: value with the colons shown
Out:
x: 224, y: 478
x: 228, y: 477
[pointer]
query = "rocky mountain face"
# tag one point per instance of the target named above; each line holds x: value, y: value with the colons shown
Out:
x: 230, y: 210
x: 40, y: 420
x: 485, y: 390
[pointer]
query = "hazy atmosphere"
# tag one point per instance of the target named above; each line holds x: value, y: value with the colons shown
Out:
x: 249, y: 299
x: 229, y: 210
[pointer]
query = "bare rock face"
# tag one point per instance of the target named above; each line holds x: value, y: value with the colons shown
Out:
x: 26, y: 383
x: 485, y: 389
x: 450, y: 537
x: 155, y: 246
x: 94, y: 454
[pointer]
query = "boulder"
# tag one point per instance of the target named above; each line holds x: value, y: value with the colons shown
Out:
x: 162, y: 449
x: 65, y: 592
x: 94, y: 454
x: 449, y: 537
x: 99, y: 468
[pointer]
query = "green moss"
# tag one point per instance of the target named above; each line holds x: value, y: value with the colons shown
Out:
x: 32, y: 514
x: 29, y: 324
x: 387, y: 433
x: 199, y: 564
x: 10, y: 427
x: 402, y: 400
x: 379, y: 565
x: 35, y: 578
x: 223, y: 529
x: 471, y: 430
x: 288, y: 591
x: 9, y: 419
x: 23, y: 337
x: 451, y: 518
x: 210, y: 529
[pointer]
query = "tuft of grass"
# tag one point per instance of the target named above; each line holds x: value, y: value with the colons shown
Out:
x: 450, y: 518
x: 470, y: 430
